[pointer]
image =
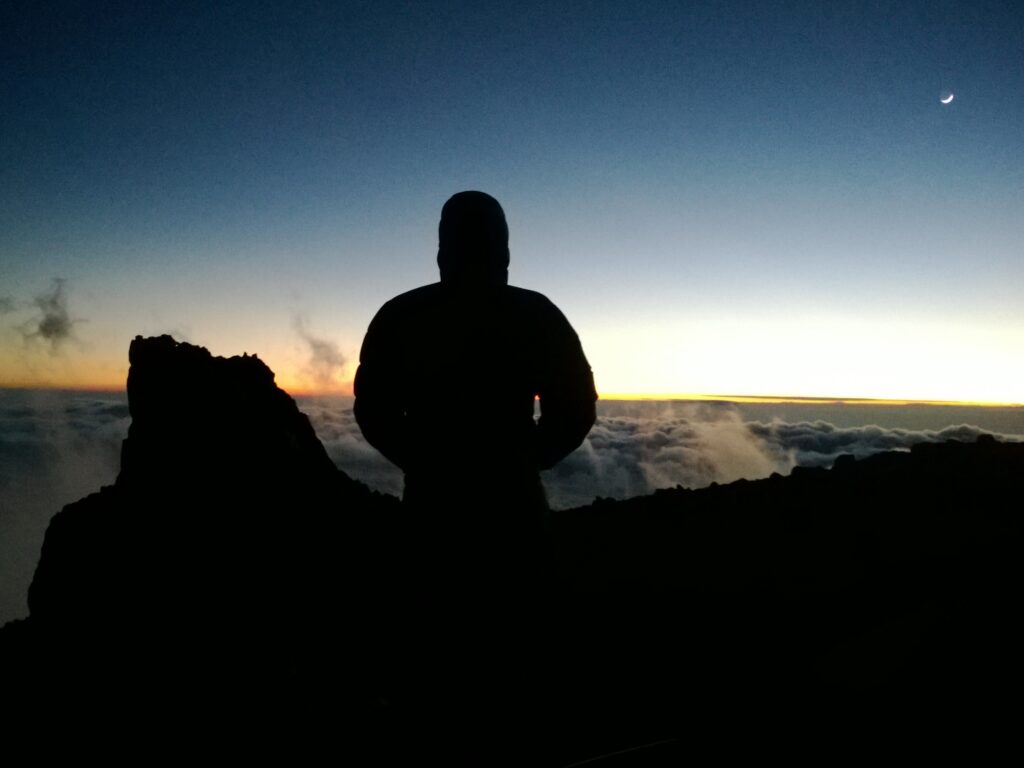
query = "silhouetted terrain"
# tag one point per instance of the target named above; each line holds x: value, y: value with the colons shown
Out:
x: 234, y: 585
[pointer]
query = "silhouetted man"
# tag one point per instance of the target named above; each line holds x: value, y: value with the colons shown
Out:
x: 447, y: 379
x: 445, y: 389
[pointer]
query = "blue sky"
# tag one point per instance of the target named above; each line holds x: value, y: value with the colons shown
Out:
x: 722, y: 198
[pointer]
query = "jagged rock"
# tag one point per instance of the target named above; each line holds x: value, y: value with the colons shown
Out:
x: 226, y: 563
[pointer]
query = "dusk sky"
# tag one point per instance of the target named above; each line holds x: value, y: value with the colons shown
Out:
x: 724, y: 198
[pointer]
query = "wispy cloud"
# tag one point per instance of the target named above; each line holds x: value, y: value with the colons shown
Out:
x: 52, y: 323
x: 326, y: 361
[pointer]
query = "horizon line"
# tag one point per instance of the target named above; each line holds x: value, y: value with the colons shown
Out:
x: 628, y: 397
x: 802, y: 399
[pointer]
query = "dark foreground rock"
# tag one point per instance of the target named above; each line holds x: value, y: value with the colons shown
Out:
x: 234, y: 588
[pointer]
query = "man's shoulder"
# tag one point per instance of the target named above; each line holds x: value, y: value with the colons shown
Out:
x: 411, y: 301
x: 426, y: 300
x: 426, y: 295
x: 416, y: 296
x: 530, y: 299
x: 536, y: 305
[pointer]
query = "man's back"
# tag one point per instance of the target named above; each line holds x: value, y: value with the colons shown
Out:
x: 447, y: 382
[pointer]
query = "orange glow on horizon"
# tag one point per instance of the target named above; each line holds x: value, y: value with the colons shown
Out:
x: 298, y: 389
x: 76, y: 384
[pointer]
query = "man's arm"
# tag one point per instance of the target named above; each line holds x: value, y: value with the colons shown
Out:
x: 379, y: 385
x: 567, y: 393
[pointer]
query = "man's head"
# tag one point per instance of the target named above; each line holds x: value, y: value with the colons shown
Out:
x: 473, y: 241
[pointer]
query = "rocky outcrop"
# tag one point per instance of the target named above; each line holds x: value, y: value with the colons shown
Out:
x: 225, y: 566
x: 233, y: 573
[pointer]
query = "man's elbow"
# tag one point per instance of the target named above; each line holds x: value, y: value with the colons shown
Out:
x: 382, y: 428
x: 563, y: 432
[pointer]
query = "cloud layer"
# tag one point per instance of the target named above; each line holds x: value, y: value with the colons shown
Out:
x: 636, y: 448
x: 631, y: 454
x: 819, y: 443
x: 335, y: 425
x: 57, y: 447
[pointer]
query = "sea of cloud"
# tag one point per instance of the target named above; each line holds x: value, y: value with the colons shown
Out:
x: 637, y: 447
x: 57, y: 447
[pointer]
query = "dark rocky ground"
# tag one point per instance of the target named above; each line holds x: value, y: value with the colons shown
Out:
x: 235, y: 590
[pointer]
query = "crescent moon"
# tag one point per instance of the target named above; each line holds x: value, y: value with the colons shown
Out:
x: 947, y: 100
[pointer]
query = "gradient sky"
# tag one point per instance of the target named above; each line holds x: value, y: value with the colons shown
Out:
x: 723, y: 199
